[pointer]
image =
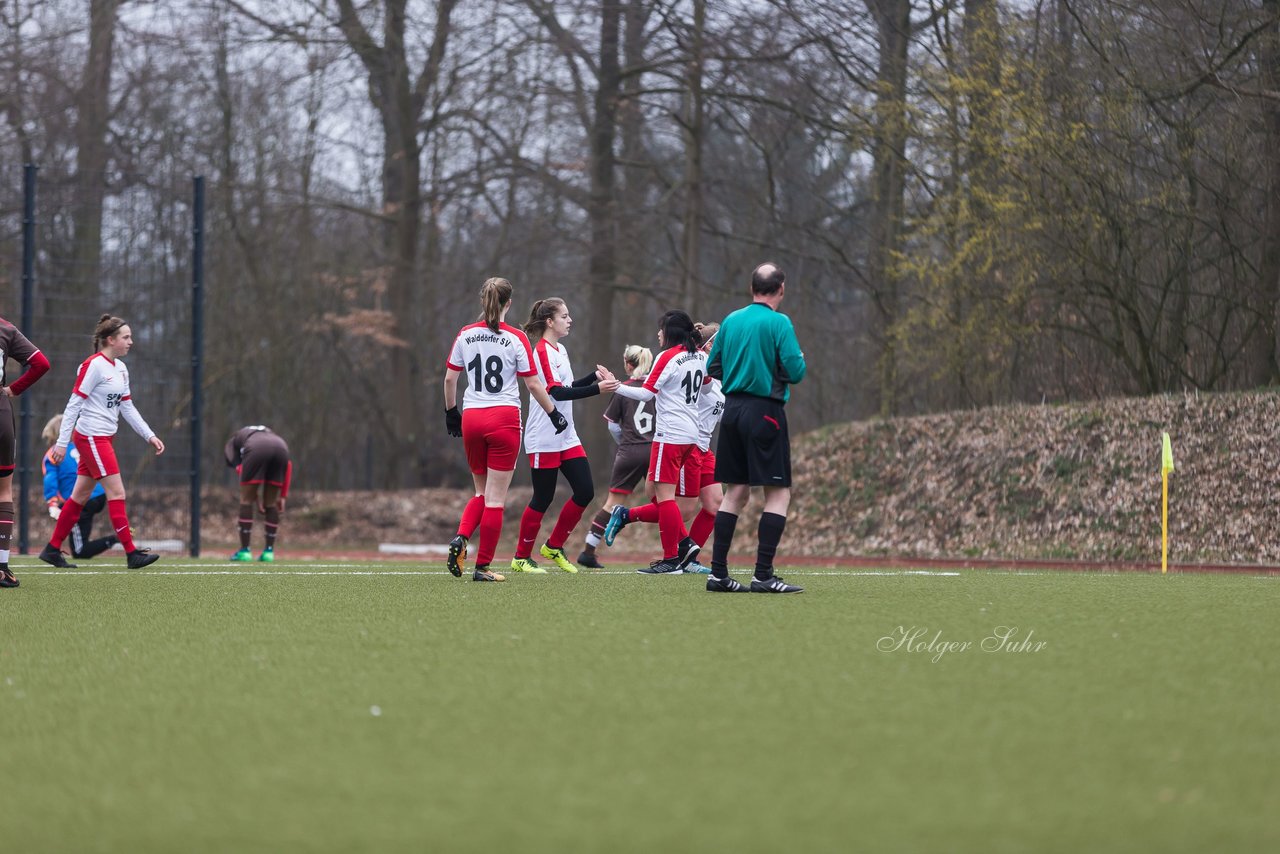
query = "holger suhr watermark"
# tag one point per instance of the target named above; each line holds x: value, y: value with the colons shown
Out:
x: 919, y: 639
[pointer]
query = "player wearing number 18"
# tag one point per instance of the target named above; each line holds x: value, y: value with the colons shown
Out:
x: 489, y: 355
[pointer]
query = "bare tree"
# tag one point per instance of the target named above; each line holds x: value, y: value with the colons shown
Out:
x: 399, y: 94
x: 1269, y: 260
x: 893, y: 20
x: 694, y: 126
x: 93, y: 115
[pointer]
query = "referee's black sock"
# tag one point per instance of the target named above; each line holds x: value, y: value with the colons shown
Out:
x: 771, y: 527
x: 725, y: 523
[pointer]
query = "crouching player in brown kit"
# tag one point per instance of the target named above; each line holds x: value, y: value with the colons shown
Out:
x: 261, y: 457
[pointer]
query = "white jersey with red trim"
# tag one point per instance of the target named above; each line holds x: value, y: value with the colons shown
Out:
x: 491, y: 362
x: 552, y: 364
x: 104, y: 387
x: 710, y: 409
x: 676, y: 378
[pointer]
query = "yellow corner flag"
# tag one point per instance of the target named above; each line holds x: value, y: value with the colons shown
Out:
x: 1166, y: 466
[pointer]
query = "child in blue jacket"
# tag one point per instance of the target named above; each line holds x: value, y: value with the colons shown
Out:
x: 59, y: 478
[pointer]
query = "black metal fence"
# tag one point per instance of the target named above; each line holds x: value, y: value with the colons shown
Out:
x: 131, y: 246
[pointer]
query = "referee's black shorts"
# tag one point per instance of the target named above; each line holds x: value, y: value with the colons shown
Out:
x: 754, y: 446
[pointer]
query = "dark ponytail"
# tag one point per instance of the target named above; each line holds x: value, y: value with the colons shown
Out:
x: 678, y: 331
x: 540, y: 315
x: 107, y: 326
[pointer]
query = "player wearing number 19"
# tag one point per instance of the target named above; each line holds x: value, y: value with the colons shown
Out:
x: 676, y: 381
x: 491, y: 354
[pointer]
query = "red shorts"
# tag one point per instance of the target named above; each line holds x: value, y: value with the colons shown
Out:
x: 698, y: 473
x: 492, y: 438
x: 666, y: 461
x: 97, y: 455
x: 552, y: 459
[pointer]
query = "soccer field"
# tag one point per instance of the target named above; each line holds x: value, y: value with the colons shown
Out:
x: 391, y: 707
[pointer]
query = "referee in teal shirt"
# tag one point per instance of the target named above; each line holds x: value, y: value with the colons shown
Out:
x: 756, y: 357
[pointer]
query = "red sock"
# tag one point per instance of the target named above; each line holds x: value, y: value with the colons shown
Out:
x: 645, y: 513
x: 671, y: 527
x: 702, y: 526
x: 471, y: 516
x: 119, y: 521
x: 490, y: 530
x: 66, y: 521
x: 570, y: 516
x: 530, y: 524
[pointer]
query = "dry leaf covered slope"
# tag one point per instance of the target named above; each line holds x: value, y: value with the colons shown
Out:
x: 1057, y: 482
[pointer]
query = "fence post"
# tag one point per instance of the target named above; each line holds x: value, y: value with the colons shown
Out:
x: 28, y: 311
x: 197, y: 354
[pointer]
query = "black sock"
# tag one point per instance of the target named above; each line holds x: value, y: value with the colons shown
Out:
x: 93, y: 548
x: 725, y: 523
x: 771, y: 527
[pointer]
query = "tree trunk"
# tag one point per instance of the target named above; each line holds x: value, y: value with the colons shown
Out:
x: 602, y: 267
x: 399, y: 99
x: 981, y: 36
x: 603, y: 213
x: 1268, y: 367
x: 634, y: 175
x: 93, y: 114
x: 893, y: 19
x: 693, y: 133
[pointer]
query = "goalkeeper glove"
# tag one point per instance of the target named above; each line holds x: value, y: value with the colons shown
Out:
x: 453, y: 421
x: 558, y: 421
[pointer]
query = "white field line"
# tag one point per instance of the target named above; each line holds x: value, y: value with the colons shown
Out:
x: 352, y: 570
x: 361, y: 569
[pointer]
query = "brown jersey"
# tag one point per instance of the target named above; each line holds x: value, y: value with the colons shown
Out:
x: 635, y: 417
x: 13, y: 345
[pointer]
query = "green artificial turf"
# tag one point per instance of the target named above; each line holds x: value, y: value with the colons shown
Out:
x: 385, y: 708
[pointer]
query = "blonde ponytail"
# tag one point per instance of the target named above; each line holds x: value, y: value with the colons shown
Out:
x: 641, y: 357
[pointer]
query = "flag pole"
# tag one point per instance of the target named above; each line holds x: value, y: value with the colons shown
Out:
x: 1164, y: 522
x: 1166, y: 466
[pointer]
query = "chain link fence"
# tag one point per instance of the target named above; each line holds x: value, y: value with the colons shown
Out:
x: 72, y: 251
